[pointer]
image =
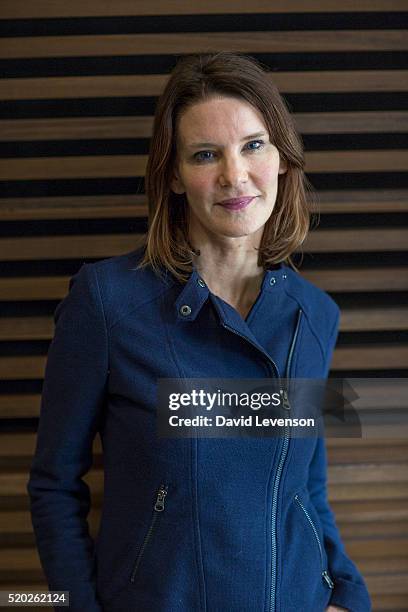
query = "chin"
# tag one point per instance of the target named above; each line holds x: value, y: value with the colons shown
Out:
x: 238, y: 231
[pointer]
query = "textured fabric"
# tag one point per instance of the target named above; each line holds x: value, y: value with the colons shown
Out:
x: 232, y: 536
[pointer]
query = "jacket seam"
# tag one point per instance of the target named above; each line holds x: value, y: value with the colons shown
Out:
x: 311, y: 326
x: 332, y: 334
x: 198, y: 543
x: 103, y: 313
x: 286, y: 470
x: 136, y: 308
x: 194, y: 487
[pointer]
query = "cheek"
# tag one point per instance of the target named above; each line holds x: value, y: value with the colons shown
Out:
x: 267, y: 171
x: 199, y: 184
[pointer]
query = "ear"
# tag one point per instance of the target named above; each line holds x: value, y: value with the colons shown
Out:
x: 176, y: 184
x: 283, y: 166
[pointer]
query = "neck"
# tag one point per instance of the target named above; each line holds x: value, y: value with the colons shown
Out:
x: 231, y: 271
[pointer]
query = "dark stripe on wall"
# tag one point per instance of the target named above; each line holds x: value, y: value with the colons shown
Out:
x: 163, y: 64
x: 194, y: 23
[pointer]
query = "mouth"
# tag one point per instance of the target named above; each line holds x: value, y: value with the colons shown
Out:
x: 236, y: 203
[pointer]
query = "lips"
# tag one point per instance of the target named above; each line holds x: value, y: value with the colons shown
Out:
x: 236, y: 203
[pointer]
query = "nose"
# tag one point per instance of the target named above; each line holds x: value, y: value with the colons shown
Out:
x: 233, y: 171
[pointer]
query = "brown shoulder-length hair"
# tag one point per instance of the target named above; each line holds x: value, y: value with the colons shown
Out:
x: 196, y: 78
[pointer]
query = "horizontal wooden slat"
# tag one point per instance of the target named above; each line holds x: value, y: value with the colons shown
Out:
x: 16, y: 445
x: 152, y: 85
x: 67, y: 247
x: 19, y: 559
x: 19, y: 521
x: 397, y: 451
x: 85, y: 87
x: 381, y: 548
x: 356, y: 319
x: 357, y: 161
x: 101, y: 206
x: 371, y: 427
x: 374, y: 319
x: 389, y: 603
x: 351, y: 473
x: 370, y: 357
x: 28, y: 405
x: 359, y: 200
x: 97, y: 166
x: 373, y: 510
x: 107, y: 245
x: 74, y: 207
x: 13, y: 368
x: 21, y: 9
x: 388, y: 528
x: 394, y: 585
x: 26, y: 559
x: 14, y: 483
x: 360, y: 240
x: 388, y: 592
x: 104, y: 166
x: 19, y: 445
x: 26, y: 328
x: 383, y: 566
x: 346, y: 443
x: 80, y: 128
x: 345, y: 280
x: 359, y: 279
x: 196, y: 42
x: 18, y: 524
x: 351, y: 122
x: 23, y: 444
x: 77, y: 128
x: 27, y: 586
x: 19, y: 406
x: 35, y: 288
x: 345, y: 358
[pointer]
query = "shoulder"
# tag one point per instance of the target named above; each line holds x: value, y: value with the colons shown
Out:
x: 122, y: 285
x: 321, y: 311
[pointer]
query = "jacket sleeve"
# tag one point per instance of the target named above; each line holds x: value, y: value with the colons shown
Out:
x: 350, y: 590
x: 73, y: 395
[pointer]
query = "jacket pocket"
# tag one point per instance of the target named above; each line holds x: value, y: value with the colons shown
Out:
x: 158, y: 509
x: 323, y: 566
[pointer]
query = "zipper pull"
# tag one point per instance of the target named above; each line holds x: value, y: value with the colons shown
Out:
x: 285, y: 399
x: 161, y: 494
x: 328, y: 579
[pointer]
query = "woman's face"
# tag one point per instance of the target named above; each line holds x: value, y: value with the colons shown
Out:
x: 224, y: 153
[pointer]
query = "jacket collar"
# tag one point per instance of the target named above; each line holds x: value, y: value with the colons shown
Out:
x: 195, y: 293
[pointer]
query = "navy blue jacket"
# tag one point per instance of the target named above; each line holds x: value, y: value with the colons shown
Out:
x: 198, y: 524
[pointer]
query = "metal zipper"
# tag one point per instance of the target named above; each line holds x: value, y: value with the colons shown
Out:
x: 325, y: 573
x: 286, y: 405
x: 157, y: 508
x: 271, y: 361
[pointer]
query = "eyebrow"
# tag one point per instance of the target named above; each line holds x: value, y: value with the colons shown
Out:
x: 213, y: 144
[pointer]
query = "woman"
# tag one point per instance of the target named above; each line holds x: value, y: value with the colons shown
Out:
x: 195, y: 524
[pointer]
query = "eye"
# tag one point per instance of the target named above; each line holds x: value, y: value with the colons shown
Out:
x: 202, y: 156
x: 261, y: 144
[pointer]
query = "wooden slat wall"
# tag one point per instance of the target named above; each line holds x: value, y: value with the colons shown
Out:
x: 76, y: 106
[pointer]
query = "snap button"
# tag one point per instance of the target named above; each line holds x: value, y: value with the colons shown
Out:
x: 185, y: 310
x: 201, y: 282
x: 272, y: 280
x: 284, y: 276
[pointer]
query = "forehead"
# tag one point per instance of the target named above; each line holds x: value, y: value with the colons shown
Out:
x: 217, y: 119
